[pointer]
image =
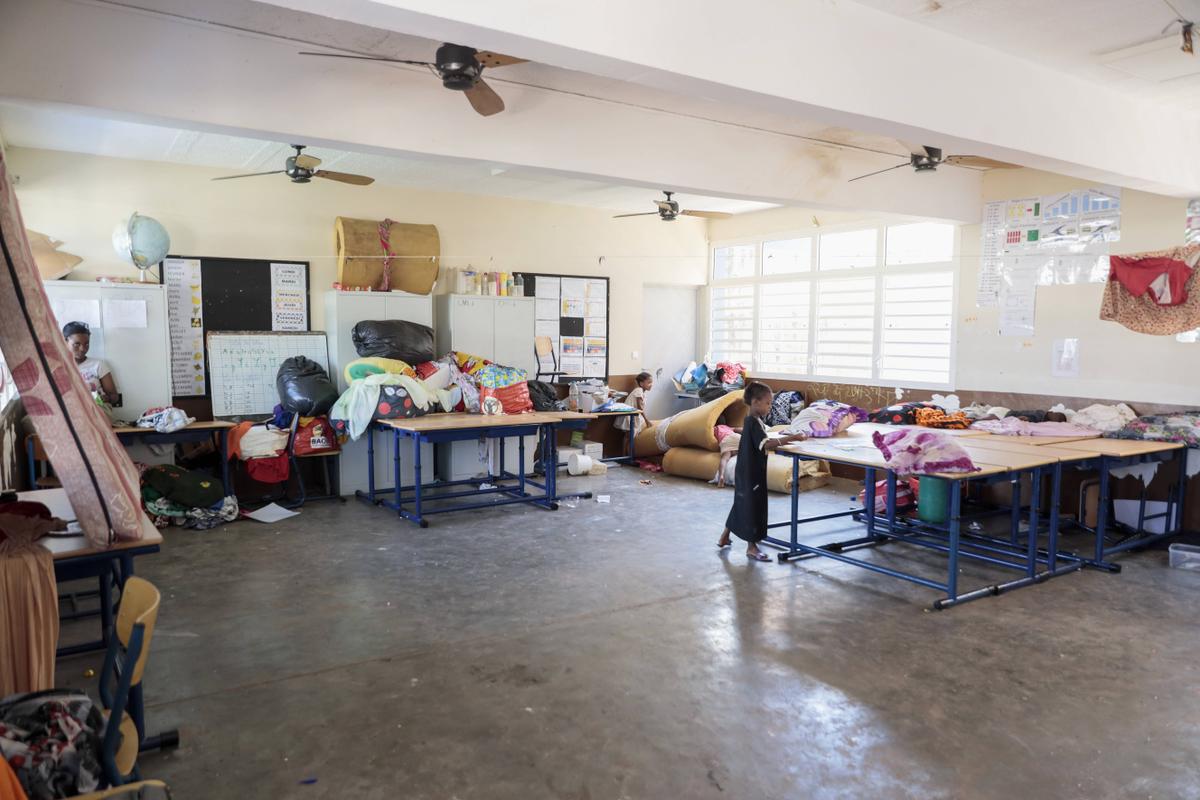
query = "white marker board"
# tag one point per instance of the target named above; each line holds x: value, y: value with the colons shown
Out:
x: 242, y: 366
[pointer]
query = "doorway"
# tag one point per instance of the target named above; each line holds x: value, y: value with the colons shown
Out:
x: 669, y: 343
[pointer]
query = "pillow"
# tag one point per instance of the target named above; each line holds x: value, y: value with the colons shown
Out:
x: 915, y: 452
x: 825, y: 418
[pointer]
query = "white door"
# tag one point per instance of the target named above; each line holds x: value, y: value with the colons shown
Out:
x: 669, y: 342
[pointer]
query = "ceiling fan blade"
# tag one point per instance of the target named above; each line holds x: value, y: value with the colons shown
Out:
x: 643, y: 214
x: 367, y: 58
x: 308, y: 162
x: 878, y: 172
x: 344, y: 177
x: 250, y: 175
x: 706, y: 214
x: 979, y: 162
x: 487, y: 58
x: 484, y: 100
x: 915, y: 149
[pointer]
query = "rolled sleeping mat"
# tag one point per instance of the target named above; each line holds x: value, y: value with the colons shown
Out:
x: 702, y: 465
x: 646, y: 442
x: 694, y: 427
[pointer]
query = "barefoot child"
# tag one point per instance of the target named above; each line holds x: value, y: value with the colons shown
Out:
x: 637, y: 399
x: 748, y: 518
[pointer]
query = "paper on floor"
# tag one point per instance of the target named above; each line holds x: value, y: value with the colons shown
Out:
x: 272, y: 513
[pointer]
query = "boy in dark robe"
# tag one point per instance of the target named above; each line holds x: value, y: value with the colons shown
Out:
x: 748, y: 518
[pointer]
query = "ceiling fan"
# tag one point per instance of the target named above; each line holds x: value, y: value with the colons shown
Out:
x: 460, y: 68
x: 302, y: 169
x: 927, y: 159
x: 669, y: 209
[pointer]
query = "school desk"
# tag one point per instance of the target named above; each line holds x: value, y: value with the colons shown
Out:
x: 196, y: 432
x: 438, y: 428
x: 858, y: 451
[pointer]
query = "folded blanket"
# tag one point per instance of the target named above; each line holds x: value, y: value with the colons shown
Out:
x: 1012, y: 426
x: 936, y: 418
x: 914, y: 452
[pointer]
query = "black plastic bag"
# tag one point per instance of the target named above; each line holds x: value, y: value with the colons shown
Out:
x: 304, y: 387
x: 410, y: 342
x: 543, y: 396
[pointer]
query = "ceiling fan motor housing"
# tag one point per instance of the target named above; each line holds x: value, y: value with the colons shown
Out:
x: 297, y: 174
x: 457, y: 66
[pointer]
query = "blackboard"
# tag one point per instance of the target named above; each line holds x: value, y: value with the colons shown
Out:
x: 584, y: 322
x: 236, y: 296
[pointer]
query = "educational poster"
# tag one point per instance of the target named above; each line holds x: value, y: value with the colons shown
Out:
x: 573, y: 312
x: 1065, y: 358
x: 988, y: 293
x: 289, y: 297
x: 1018, y: 297
x: 185, y: 322
x: 573, y: 307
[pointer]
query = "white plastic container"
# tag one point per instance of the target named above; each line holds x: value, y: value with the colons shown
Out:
x: 1185, y: 556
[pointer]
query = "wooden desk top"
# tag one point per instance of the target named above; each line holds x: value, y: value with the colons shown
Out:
x: 859, y: 451
x: 1026, y: 458
x: 867, y: 428
x: 460, y: 421
x: 1042, y: 441
x: 564, y: 415
x: 73, y: 546
x: 207, y: 425
x: 1015, y: 445
x: 1122, y: 447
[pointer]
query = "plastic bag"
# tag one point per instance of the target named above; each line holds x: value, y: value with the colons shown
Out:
x: 543, y: 396
x: 410, y: 342
x: 164, y: 419
x: 514, y: 399
x: 314, y: 435
x: 304, y: 387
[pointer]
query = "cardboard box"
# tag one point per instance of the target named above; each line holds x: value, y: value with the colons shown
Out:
x: 590, y: 448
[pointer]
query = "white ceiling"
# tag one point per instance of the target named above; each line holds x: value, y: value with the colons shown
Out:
x: 77, y: 132
x: 1073, y: 36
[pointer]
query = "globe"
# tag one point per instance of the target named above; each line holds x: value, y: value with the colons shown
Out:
x: 142, y: 241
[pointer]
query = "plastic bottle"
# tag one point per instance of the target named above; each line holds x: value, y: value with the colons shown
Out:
x: 573, y: 396
x: 519, y: 285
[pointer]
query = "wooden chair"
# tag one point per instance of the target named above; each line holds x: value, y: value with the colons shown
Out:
x: 544, y: 346
x: 124, y: 663
x: 41, y: 473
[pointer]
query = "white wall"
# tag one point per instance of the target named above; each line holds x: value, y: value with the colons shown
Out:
x: 79, y: 199
x: 1115, y: 362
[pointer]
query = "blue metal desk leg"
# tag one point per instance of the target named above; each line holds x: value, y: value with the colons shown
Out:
x: 955, y: 524
x: 1055, y: 499
x: 1034, y: 521
x: 370, y: 467
x: 551, y: 464
x: 869, y: 502
x: 397, y: 483
x: 499, y: 476
x: 795, y: 506
x: 891, y: 500
x: 1014, y: 523
x: 631, y: 438
x: 223, y: 438
x: 416, y: 440
x: 1182, y: 490
x: 521, y: 465
x: 1102, y: 519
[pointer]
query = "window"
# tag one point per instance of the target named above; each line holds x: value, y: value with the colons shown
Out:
x: 733, y: 262
x: 731, y: 334
x: 849, y: 250
x: 787, y: 256
x: 824, y: 305
x: 920, y: 243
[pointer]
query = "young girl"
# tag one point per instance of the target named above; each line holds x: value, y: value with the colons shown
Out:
x: 96, y: 374
x: 637, y: 399
x: 748, y: 517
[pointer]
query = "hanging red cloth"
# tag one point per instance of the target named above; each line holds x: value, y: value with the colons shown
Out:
x: 1165, y: 279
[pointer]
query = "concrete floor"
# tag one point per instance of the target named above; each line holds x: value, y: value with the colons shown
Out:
x: 608, y: 651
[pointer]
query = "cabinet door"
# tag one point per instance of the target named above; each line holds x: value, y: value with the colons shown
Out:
x: 351, y: 309
x: 413, y: 308
x: 514, y: 334
x: 472, y: 320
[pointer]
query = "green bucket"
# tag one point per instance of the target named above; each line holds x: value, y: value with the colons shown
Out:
x: 934, y: 499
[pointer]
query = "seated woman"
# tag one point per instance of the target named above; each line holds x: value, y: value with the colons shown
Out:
x: 96, y: 374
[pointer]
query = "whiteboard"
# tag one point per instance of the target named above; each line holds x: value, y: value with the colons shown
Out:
x: 242, y: 366
x: 129, y: 331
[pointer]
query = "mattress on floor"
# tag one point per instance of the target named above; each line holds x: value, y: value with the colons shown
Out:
x: 692, y: 462
x: 694, y: 427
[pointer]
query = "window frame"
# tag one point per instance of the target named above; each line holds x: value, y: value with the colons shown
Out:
x: 815, y: 275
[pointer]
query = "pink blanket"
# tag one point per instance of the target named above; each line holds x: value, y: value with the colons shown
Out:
x: 1011, y: 426
x: 914, y: 452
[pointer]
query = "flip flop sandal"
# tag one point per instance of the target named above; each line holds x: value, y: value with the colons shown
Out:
x: 759, y: 556
x: 723, y: 546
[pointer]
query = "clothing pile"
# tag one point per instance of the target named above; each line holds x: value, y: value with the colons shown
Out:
x: 825, y: 418
x: 175, y: 496
x: 1183, y: 427
x: 52, y: 740
x: 914, y: 452
x: 1017, y: 426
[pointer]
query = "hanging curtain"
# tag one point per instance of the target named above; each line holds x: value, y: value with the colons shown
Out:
x: 100, y: 480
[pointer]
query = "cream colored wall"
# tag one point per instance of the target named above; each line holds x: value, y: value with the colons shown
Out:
x: 1115, y: 363
x: 80, y: 198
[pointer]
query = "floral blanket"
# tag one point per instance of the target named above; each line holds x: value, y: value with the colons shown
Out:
x: 825, y: 418
x: 915, y: 452
x: 1184, y: 427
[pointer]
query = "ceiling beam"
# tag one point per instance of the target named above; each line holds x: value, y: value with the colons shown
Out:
x: 837, y: 62
x: 211, y: 78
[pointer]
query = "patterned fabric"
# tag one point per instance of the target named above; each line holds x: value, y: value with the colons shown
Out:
x: 52, y: 741
x: 825, y: 418
x: 1014, y: 426
x: 28, y: 599
x: 494, y: 376
x: 900, y: 413
x: 1142, y: 314
x: 785, y: 407
x: 913, y: 452
x: 936, y: 418
x: 468, y: 363
x: 165, y: 513
x: 513, y: 399
x: 98, y: 476
x: 1183, y: 427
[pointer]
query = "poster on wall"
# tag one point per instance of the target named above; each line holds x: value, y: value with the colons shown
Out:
x: 1018, y: 297
x: 289, y: 297
x: 573, y: 313
x: 185, y: 323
